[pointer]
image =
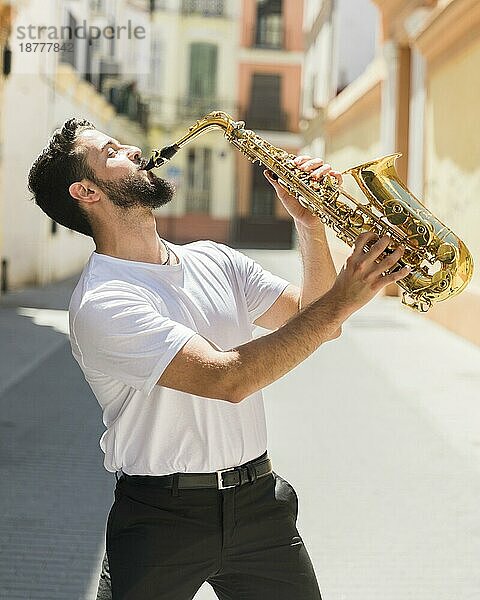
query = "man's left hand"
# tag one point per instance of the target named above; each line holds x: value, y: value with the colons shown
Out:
x: 318, y: 169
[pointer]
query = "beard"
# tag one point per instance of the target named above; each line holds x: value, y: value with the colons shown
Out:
x: 135, y: 190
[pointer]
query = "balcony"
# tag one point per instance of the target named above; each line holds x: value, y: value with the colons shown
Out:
x: 203, y: 8
x: 185, y: 108
x: 127, y: 101
x: 188, y: 107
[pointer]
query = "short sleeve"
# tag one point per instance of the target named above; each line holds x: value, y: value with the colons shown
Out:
x: 121, y: 334
x: 260, y: 286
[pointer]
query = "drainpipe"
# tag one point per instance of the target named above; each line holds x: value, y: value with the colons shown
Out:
x: 4, y: 276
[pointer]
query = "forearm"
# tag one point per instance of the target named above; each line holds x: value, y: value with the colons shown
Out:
x: 261, y: 361
x: 318, y: 269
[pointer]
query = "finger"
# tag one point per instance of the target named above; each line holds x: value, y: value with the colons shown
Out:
x: 393, y: 277
x: 298, y: 160
x: 313, y: 163
x: 389, y: 261
x: 361, y: 242
x: 377, y: 249
x: 319, y: 173
x: 272, y: 177
x: 322, y: 171
x: 338, y: 176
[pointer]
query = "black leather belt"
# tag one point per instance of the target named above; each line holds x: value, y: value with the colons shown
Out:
x: 224, y: 479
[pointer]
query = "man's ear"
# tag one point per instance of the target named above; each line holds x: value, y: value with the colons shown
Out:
x: 84, y: 191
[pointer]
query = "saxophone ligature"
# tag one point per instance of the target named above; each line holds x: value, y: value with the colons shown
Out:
x: 441, y: 265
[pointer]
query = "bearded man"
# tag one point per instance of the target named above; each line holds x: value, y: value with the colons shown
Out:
x: 163, y: 335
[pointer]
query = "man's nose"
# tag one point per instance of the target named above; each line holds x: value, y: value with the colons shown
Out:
x: 134, y: 153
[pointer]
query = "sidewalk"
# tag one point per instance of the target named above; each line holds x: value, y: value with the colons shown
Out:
x: 55, y: 491
x: 22, y: 345
x: 378, y: 431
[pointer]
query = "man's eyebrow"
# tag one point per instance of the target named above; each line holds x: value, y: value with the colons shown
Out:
x: 108, y: 142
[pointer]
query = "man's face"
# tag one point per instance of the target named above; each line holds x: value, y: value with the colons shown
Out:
x: 118, y: 172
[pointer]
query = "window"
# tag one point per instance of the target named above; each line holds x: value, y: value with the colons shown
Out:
x: 269, y: 33
x: 263, y: 195
x: 203, y: 71
x: 88, y: 61
x: 69, y: 41
x: 156, y: 65
x: 265, y: 110
x: 199, y: 168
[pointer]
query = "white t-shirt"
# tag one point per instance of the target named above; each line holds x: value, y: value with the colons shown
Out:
x: 129, y: 319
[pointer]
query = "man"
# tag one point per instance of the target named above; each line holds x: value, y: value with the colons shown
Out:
x: 163, y: 334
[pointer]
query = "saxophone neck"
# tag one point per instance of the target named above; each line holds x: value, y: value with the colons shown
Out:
x: 214, y: 120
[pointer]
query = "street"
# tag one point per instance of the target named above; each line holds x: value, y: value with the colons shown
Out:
x: 378, y: 431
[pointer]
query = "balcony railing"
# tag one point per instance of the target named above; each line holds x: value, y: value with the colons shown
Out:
x: 197, y: 201
x: 270, y: 37
x: 204, y: 8
x: 186, y: 108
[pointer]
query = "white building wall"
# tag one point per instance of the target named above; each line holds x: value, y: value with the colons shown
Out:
x: 356, y: 24
x: 33, y: 108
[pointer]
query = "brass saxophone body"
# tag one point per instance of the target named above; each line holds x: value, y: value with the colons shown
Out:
x: 441, y: 265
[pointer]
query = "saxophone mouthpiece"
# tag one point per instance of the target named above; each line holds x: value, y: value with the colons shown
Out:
x: 149, y: 165
x: 160, y: 157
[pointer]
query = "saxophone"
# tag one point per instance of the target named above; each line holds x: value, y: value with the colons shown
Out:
x: 441, y: 265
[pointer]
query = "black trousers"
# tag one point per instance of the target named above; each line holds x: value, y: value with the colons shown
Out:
x: 243, y: 541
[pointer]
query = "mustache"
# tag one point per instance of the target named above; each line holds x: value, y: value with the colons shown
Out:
x: 142, y: 163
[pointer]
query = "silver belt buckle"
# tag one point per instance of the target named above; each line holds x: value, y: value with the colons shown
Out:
x: 220, y: 481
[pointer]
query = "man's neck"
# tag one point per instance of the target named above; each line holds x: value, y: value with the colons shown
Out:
x: 133, y: 240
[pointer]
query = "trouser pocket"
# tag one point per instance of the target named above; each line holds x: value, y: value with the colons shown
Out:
x: 286, y: 494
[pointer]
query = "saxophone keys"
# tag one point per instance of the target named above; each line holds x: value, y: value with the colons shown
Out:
x: 356, y: 220
x: 446, y: 253
x: 396, y: 212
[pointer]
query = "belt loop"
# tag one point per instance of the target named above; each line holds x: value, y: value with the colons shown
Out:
x: 252, y: 473
x: 175, y: 484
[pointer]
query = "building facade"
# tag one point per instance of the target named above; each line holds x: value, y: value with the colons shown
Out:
x: 193, y: 72
x: 41, y: 92
x: 413, y: 92
x: 269, y: 91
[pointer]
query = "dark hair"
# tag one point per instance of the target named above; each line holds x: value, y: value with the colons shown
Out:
x: 58, y: 166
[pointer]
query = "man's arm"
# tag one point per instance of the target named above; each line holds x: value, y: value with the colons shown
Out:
x: 318, y: 269
x: 200, y: 368
x: 318, y: 277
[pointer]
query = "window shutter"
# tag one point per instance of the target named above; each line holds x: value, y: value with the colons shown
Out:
x: 203, y: 70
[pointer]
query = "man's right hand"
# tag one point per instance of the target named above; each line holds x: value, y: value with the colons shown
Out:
x: 361, y: 278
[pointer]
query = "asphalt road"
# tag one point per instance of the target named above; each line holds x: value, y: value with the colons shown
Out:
x: 378, y: 431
